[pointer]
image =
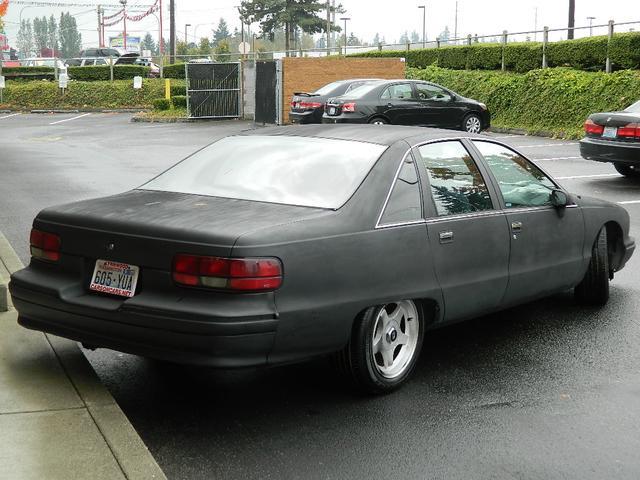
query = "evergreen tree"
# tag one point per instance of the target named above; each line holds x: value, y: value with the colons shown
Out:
x: 204, y: 47
x: 222, y: 32
x: 70, y: 38
x: 25, y: 38
x: 376, y: 39
x: 148, y: 43
x: 40, y: 34
x: 415, y: 37
x: 404, y: 39
x: 52, y: 34
x: 353, y: 41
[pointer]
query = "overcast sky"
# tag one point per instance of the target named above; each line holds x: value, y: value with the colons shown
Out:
x: 390, y: 18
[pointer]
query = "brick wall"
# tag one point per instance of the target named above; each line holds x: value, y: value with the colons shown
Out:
x: 309, y: 74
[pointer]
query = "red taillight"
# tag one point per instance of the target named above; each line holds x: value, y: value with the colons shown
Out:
x: 631, y: 130
x: 45, y: 246
x: 310, y: 105
x: 239, y: 274
x: 348, y: 107
x: 592, y: 128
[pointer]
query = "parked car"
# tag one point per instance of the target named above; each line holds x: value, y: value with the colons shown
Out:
x: 309, y: 107
x: 408, y: 102
x: 614, y: 137
x: 275, y: 246
x: 88, y: 61
x: 99, y: 52
x: 43, y: 62
x: 154, y: 69
x: 9, y: 60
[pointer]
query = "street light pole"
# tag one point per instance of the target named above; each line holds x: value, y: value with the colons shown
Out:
x: 455, y: 29
x: 591, y: 19
x: 124, y: 19
x: 424, y: 25
x: 186, y: 27
x: 345, y: 19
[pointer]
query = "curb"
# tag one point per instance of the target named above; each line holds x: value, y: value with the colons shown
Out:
x: 89, y: 110
x: 126, y: 446
x: 541, y: 133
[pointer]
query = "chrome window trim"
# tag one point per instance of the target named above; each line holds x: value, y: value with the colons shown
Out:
x: 461, y: 216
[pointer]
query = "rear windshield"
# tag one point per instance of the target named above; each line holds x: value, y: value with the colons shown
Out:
x: 311, y: 172
x: 327, y: 89
x: 363, y: 90
x: 635, y: 108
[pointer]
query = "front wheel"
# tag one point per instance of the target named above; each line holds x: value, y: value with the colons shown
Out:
x: 385, y: 344
x: 472, y: 123
x: 627, y: 170
x: 594, y: 287
x: 378, y: 121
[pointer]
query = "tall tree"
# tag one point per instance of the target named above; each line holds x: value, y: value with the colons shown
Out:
x: 52, y: 34
x: 290, y: 14
x: 40, y: 34
x: 204, y: 47
x: 70, y: 38
x: 148, y: 43
x: 25, y: 38
x: 415, y: 37
x: 222, y: 32
x: 376, y: 39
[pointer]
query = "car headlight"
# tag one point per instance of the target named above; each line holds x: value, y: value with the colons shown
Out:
x: 482, y: 106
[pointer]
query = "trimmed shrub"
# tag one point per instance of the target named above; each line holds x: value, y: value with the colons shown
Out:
x: 174, y: 71
x: 178, y: 88
x: 103, y: 72
x: 179, y: 101
x: 553, y: 100
x: 11, y: 71
x: 161, y: 104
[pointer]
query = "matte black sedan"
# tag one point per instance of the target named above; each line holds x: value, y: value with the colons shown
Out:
x: 283, y: 244
x: 309, y: 107
x: 614, y: 137
x: 408, y: 102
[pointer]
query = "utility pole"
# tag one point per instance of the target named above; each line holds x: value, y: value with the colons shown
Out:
x: 535, y: 25
x: 345, y: 33
x: 572, y: 19
x: 172, y: 31
x: 424, y: 25
x: 100, y: 41
x: 328, y: 28
x: 124, y: 20
x: 455, y: 28
x: 186, y: 27
x: 161, y: 49
x: 591, y: 19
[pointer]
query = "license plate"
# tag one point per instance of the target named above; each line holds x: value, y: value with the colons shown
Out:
x: 296, y: 105
x: 332, y: 110
x: 114, y: 278
x: 610, y: 132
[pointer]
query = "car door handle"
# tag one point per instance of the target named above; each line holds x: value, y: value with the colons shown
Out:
x: 389, y: 105
x: 446, y: 237
x: 516, y: 226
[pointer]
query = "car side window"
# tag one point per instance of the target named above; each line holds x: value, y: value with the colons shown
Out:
x: 457, y: 186
x: 428, y: 92
x: 521, y: 183
x: 401, y: 91
x: 405, y: 202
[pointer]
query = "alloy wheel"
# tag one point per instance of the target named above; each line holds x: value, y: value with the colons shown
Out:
x: 472, y: 124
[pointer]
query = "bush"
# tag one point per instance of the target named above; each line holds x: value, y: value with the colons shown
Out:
x: 103, y: 72
x: 553, y: 100
x: 174, y: 71
x: 12, y: 71
x: 161, y: 104
x: 179, y: 101
x: 584, y: 54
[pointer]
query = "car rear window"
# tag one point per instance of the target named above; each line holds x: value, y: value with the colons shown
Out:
x: 362, y: 90
x: 311, y: 172
x: 635, y: 108
x: 327, y: 89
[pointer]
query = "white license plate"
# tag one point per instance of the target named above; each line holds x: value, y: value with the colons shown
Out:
x: 610, y: 132
x: 114, y: 278
x: 332, y: 110
x: 296, y: 105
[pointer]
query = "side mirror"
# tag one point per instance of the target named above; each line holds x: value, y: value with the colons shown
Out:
x: 558, y: 198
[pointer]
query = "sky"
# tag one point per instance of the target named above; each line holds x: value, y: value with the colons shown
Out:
x: 389, y: 18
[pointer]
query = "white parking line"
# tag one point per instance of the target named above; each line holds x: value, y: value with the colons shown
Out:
x: 547, y: 145
x: 600, y: 175
x: 69, y: 119
x: 12, y: 115
x: 556, y: 158
x: 629, y: 202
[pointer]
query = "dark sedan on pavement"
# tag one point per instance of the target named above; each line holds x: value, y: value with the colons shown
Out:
x: 408, y: 102
x: 614, y: 137
x: 283, y: 244
x: 309, y: 107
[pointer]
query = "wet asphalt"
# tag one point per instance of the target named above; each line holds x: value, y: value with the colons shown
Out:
x: 545, y: 390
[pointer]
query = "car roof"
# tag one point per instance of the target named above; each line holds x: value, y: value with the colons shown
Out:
x: 378, y: 134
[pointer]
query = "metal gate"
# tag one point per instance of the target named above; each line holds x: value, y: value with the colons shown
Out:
x: 266, y: 92
x: 213, y: 90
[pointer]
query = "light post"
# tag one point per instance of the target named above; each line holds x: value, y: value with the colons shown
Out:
x: 591, y: 19
x: 186, y: 27
x: 124, y: 19
x: 345, y: 19
x: 455, y: 29
x: 424, y: 25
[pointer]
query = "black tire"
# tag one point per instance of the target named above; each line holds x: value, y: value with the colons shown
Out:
x: 594, y: 287
x: 472, y: 123
x: 379, y: 121
x: 358, y: 363
x: 626, y: 170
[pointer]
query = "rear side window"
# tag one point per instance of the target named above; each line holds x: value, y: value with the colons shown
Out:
x: 405, y: 202
x: 457, y: 186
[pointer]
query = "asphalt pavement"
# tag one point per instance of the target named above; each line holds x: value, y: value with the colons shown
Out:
x: 546, y: 390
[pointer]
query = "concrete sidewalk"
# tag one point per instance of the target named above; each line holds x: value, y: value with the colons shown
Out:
x: 57, y: 421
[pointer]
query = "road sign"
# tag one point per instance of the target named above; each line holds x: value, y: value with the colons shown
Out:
x: 244, y: 48
x: 63, y: 79
x: 1, y: 81
x: 137, y: 83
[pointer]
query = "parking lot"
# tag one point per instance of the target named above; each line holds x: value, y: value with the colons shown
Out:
x: 546, y: 390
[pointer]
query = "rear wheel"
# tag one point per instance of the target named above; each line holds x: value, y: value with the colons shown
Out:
x: 472, y: 123
x: 594, y: 287
x: 627, y: 170
x: 385, y: 344
x: 378, y: 121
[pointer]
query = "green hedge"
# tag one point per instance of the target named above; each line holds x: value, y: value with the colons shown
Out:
x: 553, y: 100
x: 11, y: 71
x: 174, y: 71
x: 90, y: 95
x: 103, y: 72
x: 583, y: 54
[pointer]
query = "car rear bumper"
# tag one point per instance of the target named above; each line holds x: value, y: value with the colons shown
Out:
x: 610, y: 150
x: 208, y: 338
x: 311, y: 116
x: 343, y: 119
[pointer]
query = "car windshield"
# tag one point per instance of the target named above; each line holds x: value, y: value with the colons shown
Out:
x: 311, y: 172
x: 635, y: 108
x: 362, y: 90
